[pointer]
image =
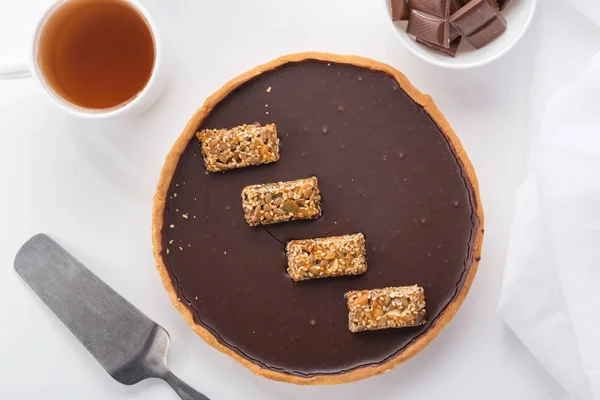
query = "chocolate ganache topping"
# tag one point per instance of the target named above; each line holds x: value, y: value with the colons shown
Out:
x: 385, y: 169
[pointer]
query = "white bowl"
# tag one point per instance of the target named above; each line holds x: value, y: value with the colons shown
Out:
x: 518, y: 15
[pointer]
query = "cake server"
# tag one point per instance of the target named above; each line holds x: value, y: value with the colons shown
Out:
x: 129, y: 345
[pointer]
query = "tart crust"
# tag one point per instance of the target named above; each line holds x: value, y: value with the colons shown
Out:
x: 189, y: 132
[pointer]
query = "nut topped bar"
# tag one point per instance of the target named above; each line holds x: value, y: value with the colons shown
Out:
x: 392, y: 307
x: 239, y: 147
x: 272, y: 203
x: 326, y: 257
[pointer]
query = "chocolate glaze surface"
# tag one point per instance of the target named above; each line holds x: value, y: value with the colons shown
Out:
x: 385, y: 169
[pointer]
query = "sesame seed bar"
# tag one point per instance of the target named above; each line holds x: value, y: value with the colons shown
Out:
x: 392, y: 307
x: 242, y: 146
x: 272, y: 203
x: 326, y: 257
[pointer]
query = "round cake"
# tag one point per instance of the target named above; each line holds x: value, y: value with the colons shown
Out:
x: 388, y: 166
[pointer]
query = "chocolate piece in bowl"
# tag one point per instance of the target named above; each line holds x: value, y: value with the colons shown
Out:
x: 429, y: 28
x: 449, y: 51
x: 439, y: 8
x: 428, y: 21
x: 490, y: 31
x: 453, y: 33
x: 437, y: 24
x: 456, y: 5
x: 502, y: 4
x: 400, y: 10
x: 473, y: 16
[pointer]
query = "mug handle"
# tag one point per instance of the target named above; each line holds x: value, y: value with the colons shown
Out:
x: 14, y: 69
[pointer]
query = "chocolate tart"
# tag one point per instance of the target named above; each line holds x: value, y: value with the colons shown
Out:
x: 388, y: 165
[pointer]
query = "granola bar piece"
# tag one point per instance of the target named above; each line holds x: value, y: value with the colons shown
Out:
x: 392, y: 307
x: 242, y: 146
x: 282, y: 201
x: 326, y: 257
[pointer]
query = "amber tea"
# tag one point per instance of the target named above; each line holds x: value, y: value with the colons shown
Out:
x: 96, y: 54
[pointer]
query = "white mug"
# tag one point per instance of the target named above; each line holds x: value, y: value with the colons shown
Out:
x: 16, y: 69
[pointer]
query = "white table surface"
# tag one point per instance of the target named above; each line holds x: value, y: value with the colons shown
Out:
x: 89, y: 185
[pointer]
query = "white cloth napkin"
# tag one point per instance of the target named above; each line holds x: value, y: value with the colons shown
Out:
x: 589, y: 8
x: 551, y: 292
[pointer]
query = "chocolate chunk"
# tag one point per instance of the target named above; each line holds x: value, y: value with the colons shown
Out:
x: 473, y: 16
x: 453, y: 33
x: 503, y: 3
x: 449, y: 51
x: 438, y: 24
x: 429, y: 21
x: 488, y: 32
x: 428, y: 27
x: 439, y: 8
x: 456, y: 5
x: 400, y: 10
